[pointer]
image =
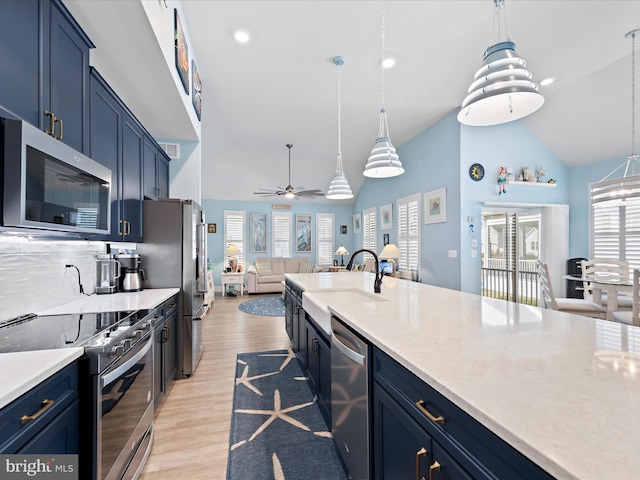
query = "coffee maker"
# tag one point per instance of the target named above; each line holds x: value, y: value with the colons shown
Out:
x: 132, y: 275
x: 107, y: 274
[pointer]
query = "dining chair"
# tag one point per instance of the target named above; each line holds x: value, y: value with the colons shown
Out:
x: 578, y: 306
x: 610, y: 268
x: 631, y: 317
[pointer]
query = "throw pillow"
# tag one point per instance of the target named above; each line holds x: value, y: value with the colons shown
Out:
x: 306, y: 267
x: 264, y: 268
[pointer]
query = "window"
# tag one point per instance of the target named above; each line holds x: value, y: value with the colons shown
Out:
x: 369, y: 230
x: 324, y: 239
x: 409, y: 233
x: 616, y: 232
x: 234, y: 228
x: 281, y: 232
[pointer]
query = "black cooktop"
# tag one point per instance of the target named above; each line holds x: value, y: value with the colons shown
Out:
x: 32, y: 332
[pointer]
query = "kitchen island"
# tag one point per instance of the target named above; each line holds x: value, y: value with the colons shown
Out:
x: 561, y: 389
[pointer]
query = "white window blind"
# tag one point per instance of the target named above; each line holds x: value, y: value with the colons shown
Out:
x: 409, y: 233
x: 281, y: 233
x: 616, y: 232
x: 369, y: 230
x: 324, y: 238
x: 234, y: 228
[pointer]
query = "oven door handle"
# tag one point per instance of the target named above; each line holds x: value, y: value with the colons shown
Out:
x: 111, y: 376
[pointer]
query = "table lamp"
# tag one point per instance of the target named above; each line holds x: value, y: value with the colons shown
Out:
x: 390, y: 252
x: 232, y: 251
x: 342, y: 252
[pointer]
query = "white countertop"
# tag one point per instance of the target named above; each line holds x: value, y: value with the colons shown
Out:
x: 562, y: 389
x: 21, y: 371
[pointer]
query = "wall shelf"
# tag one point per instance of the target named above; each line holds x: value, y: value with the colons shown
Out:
x: 532, y: 184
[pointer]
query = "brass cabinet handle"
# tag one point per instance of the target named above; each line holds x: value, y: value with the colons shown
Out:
x: 122, y: 232
x: 52, y: 120
x: 435, y: 467
x: 59, y: 121
x: 46, y: 404
x: 420, y: 453
x: 439, y: 419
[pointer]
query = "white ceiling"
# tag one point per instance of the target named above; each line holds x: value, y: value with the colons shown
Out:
x: 282, y: 87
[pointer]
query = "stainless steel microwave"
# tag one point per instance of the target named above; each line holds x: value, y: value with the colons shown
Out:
x: 49, y: 185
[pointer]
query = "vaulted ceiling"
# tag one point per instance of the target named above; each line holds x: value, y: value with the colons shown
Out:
x: 282, y: 87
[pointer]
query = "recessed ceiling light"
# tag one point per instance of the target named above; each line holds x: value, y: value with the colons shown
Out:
x: 388, y: 62
x: 241, y: 36
x: 546, y: 81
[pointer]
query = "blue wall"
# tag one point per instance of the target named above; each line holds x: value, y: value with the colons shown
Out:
x: 214, y: 212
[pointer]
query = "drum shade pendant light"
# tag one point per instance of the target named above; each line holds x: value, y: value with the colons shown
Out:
x: 624, y: 189
x: 502, y: 89
x: 383, y: 162
x: 339, y: 188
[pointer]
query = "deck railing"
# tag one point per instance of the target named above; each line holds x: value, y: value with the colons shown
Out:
x: 498, y: 283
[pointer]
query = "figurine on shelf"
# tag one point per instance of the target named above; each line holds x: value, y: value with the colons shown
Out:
x: 528, y: 175
x: 502, y: 180
x: 539, y: 174
x: 509, y: 174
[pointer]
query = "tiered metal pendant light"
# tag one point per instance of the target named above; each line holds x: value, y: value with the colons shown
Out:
x: 627, y: 187
x: 502, y: 90
x: 339, y: 188
x: 383, y: 162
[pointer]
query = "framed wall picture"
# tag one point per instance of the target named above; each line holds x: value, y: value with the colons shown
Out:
x: 435, y: 206
x: 196, y: 90
x: 303, y: 233
x: 182, y: 51
x: 385, y: 239
x: 212, y: 228
x: 386, y: 217
x: 357, y: 222
x: 258, y: 232
x: 343, y: 229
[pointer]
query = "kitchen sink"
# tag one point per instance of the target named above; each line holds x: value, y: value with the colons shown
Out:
x: 315, y: 302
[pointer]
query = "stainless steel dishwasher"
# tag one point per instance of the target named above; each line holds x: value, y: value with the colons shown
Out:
x: 350, y: 398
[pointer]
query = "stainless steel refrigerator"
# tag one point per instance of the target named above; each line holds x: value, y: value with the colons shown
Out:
x: 174, y: 254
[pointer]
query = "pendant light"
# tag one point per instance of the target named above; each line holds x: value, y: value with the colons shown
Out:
x: 502, y: 89
x: 339, y: 188
x: 626, y: 188
x: 383, y: 162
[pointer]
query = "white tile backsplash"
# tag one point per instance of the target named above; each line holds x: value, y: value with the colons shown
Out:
x: 33, y: 276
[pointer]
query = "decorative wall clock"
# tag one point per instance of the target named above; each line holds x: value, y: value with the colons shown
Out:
x: 476, y: 172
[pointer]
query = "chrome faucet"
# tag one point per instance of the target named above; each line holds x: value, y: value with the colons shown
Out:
x: 377, y: 284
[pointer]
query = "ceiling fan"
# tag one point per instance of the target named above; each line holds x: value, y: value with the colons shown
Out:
x: 289, y: 192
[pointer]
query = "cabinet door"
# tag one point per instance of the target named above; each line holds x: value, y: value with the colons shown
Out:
x: 158, y: 383
x: 132, y: 141
x: 20, y: 57
x: 60, y: 436
x: 162, y: 174
x: 401, y: 448
x: 295, y: 327
x: 288, y: 314
x: 171, y: 347
x: 323, y: 386
x: 68, y: 82
x: 150, y: 169
x: 310, y: 354
x: 105, y: 118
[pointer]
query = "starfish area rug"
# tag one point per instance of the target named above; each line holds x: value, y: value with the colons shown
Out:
x: 277, y: 430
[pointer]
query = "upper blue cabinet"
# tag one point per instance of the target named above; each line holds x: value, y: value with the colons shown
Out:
x: 44, y: 68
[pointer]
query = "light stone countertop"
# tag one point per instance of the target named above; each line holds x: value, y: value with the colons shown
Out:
x: 562, y: 389
x: 21, y: 371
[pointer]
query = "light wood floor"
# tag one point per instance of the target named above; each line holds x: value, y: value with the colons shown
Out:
x: 192, y: 421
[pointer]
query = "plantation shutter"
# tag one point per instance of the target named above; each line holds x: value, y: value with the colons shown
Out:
x: 409, y: 233
x: 369, y: 230
x: 324, y: 239
x: 281, y: 232
x: 234, y: 227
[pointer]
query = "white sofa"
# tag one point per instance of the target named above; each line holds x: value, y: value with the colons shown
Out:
x: 267, y: 275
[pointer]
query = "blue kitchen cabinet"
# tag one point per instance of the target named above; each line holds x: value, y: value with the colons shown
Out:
x: 44, y: 420
x: 165, y: 348
x: 319, y: 365
x: 45, y: 74
x: 156, y: 171
x: 409, y: 415
x: 116, y: 143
